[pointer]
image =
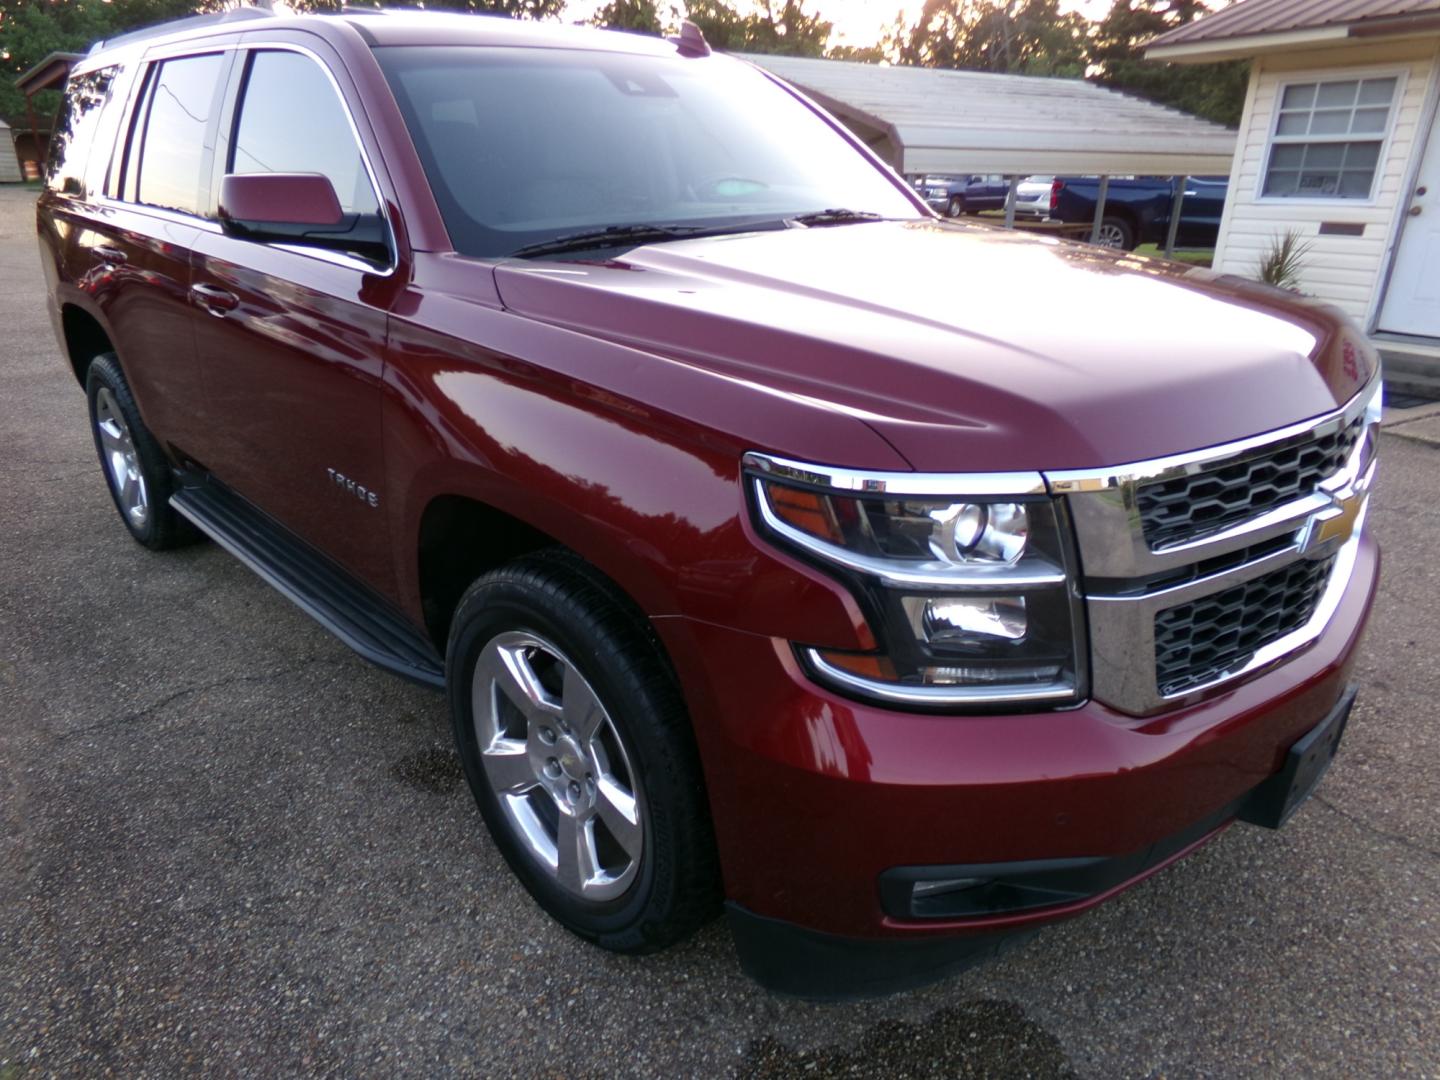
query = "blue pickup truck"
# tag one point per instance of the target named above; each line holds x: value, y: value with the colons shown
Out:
x: 1137, y: 211
x: 957, y: 195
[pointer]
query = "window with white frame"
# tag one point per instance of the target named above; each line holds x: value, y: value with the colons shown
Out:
x: 1328, y: 137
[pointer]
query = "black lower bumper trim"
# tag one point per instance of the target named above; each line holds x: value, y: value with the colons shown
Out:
x: 790, y: 959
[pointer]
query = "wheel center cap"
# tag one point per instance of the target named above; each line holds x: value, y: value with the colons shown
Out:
x: 572, y: 761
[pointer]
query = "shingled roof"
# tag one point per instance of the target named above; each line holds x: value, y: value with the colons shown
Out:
x: 1261, y: 22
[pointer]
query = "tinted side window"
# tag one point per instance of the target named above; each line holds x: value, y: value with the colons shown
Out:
x: 85, y: 97
x: 181, y: 100
x: 291, y: 120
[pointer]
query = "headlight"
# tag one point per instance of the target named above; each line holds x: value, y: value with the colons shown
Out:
x: 971, y: 594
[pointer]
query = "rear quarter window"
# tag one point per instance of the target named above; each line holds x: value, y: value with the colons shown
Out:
x: 74, y: 140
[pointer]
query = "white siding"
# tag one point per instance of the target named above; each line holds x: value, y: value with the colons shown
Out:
x: 1346, y: 270
x: 9, y: 162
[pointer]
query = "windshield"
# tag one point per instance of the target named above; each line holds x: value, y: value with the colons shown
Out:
x: 524, y: 146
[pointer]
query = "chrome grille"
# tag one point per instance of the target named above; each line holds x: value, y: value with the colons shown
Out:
x: 1204, y: 640
x: 1208, y: 566
x: 1190, y: 507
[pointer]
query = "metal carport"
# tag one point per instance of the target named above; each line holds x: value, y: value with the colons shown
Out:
x: 938, y: 120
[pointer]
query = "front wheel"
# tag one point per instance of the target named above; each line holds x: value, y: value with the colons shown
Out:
x: 578, y: 751
x: 956, y: 208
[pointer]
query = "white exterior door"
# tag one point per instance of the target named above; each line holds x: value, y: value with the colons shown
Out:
x: 1412, y: 302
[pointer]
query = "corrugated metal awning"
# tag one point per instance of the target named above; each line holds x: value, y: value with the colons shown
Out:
x: 1251, y: 18
x: 937, y: 120
x: 49, y: 74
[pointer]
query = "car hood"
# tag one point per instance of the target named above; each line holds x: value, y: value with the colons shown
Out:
x: 970, y: 348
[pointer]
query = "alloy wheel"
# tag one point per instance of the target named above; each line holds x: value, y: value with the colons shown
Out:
x: 122, y: 462
x: 558, y: 767
x: 1111, y: 236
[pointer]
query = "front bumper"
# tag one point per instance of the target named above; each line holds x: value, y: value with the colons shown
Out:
x: 816, y: 797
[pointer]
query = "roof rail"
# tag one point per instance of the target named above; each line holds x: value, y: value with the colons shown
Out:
x: 190, y: 22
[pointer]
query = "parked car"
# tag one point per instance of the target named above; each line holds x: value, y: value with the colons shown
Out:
x: 1137, y: 210
x: 1032, y: 197
x: 612, y: 388
x: 955, y: 196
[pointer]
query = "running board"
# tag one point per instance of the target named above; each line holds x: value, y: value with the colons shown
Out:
x: 312, y: 582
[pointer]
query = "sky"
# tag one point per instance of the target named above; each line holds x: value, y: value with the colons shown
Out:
x: 861, y: 22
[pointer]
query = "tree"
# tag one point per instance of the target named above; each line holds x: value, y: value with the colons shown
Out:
x: 1214, y: 91
x: 30, y: 31
x: 788, y: 28
x: 777, y: 26
x: 515, y: 9
x: 1031, y: 37
x: 640, y: 16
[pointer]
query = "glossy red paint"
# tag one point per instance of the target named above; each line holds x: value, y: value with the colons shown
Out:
x: 280, y: 198
x: 816, y: 795
x: 867, y: 321
x: 608, y: 405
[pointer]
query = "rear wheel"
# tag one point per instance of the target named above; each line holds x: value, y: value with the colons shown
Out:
x: 578, y: 751
x: 1116, y: 232
x: 136, y: 471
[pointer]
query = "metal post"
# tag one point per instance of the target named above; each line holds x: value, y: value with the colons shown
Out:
x: 34, y: 134
x: 1099, y: 209
x: 1181, y: 183
x: 1010, y: 201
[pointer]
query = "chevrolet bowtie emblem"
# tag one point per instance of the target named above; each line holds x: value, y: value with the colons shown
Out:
x: 1331, y: 527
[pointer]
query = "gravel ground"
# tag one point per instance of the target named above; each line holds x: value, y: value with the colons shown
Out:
x: 231, y: 846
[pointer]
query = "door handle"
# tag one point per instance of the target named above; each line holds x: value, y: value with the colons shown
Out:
x: 215, y: 300
x: 111, y: 255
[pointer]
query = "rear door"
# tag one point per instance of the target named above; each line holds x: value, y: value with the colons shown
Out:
x: 292, y: 339
x: 141, y: 220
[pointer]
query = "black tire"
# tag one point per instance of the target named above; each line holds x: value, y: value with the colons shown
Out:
x: 956, y: 207
x: 161, y: 527
x: 1117, y: 233
x: 557, y: 597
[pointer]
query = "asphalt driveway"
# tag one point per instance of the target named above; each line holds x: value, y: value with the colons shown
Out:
x: 229, y: 846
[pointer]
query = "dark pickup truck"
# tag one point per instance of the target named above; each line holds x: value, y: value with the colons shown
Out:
x: 1136, y: 211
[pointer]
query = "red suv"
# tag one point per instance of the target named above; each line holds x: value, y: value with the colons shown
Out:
x: 619, y: 391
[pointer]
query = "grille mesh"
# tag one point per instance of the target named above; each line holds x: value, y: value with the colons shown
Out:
x: 1190, y: 507
x: 1198, y: 642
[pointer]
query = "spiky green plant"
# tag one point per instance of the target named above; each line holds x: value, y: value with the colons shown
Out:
x: 1281, y: 265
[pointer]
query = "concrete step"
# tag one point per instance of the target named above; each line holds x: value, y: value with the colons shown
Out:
x: 1410, y: 374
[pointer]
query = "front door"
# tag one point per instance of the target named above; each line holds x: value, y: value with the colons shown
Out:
x: 291, y: 340
x: 1412, y: 301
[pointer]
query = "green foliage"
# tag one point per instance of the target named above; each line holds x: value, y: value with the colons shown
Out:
x: 639, y: 16
x: 1214, y: 91
x: 32, y: 29
x: 1281, y: 264
x: 1030, y: 37
x: 776, y: 26
x: 515, y: 9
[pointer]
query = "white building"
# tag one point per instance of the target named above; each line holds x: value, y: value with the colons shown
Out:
x: 9, y: 163
x: 1338, y: 143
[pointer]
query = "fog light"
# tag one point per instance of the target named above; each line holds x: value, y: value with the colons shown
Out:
x: 966, y: 620
x: 926, y: 889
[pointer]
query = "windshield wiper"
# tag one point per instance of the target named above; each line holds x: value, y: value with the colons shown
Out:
x: 633, y: 235
x: 835, y: 216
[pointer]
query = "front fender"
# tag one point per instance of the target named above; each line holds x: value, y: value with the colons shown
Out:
x: 653, y: 501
